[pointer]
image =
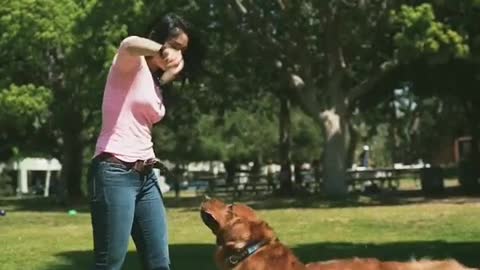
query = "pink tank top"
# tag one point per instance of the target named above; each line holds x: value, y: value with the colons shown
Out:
x: 131, y: 105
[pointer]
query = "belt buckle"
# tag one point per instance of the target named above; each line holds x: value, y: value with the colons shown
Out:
x: 138, y: 166
x: 145, y: 166
x: 150, y: 162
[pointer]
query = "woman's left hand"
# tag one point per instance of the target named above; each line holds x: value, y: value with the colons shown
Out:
x: 170, y: 73
x: 172, y: 56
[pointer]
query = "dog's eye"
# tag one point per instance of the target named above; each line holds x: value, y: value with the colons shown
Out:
x: 230, y: 208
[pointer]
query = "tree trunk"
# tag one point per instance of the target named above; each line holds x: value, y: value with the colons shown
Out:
x: 474, y: 126
x: 286, y: 187
x: 334, y: 176
x: 72, y: 164
x: 469, y: 167
x: 353, y: 138
x: 333, y: 119
x: 333, y: 122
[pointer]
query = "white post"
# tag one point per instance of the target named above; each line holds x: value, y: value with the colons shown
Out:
x: 19, y: 183
x: 46, y: 192
x: 23, y: 180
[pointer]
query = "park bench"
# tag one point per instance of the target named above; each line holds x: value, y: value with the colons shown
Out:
x: 240, y: 186
x: 382, y: 178
x: 429, y: 179
x: 358, y: 180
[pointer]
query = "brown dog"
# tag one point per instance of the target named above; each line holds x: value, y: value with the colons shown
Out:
x: 245, y: 242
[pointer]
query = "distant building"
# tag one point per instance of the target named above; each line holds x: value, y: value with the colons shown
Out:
x: 25, y: 165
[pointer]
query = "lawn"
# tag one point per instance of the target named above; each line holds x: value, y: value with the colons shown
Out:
x: 34, y: 235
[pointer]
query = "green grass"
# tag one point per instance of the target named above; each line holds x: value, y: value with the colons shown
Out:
x: 35, y: 236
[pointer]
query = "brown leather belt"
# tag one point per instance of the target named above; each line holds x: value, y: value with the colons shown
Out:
x: 141, y: 166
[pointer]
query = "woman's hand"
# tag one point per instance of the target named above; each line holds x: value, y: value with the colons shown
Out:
x: 170, y: 74
x: 172, y: 57
x: 172, y: 64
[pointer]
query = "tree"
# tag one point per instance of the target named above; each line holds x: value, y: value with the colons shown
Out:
x: 436, y: 70
x: 332, y: 53
x: 23, y: 112
x: 329, y: 58
x: 64, y: 46
x: 455, y: 79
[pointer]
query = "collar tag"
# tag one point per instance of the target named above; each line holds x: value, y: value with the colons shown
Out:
x: 236, y: 258
x: 253, y: 248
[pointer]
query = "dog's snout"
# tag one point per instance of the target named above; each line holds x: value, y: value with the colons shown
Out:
x: 205, y: 202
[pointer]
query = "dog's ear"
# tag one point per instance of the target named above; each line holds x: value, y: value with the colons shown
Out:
x: 245, y: 212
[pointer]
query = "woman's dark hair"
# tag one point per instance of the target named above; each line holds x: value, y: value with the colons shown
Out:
x: 169, y: 26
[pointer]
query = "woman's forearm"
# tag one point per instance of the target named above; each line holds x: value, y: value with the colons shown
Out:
x: 139, y: 46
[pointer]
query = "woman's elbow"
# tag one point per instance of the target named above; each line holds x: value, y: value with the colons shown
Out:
x: 128, y: 42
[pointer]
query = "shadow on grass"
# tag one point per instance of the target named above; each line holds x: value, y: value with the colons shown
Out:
x: 451, y: 195
x: 41, y: 204
x: 183, y: 256
x: 200, y: 256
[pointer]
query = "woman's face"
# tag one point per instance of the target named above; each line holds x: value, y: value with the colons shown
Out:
x: 178, y: 41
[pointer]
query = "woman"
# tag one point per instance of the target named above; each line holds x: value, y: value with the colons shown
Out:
x: 125, y: 197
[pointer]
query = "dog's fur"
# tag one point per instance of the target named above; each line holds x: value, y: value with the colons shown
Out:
x: 374, y: 264
x: 237, y: 227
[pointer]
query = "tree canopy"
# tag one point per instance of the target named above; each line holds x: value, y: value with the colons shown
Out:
x: 335, y: 66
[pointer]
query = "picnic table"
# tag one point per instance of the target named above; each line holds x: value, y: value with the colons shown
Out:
x: 383, y: 177
x: 259, y: 184
x: 242, y: 184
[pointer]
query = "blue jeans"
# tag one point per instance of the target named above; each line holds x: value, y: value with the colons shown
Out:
x: 123, y: 203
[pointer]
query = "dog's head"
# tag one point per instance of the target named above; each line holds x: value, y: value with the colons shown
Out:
x: 235, y: 225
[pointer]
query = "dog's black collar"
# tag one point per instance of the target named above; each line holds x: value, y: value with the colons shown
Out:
x: 235, y: 259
